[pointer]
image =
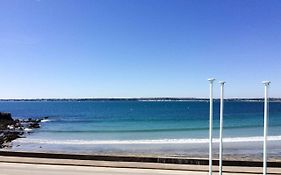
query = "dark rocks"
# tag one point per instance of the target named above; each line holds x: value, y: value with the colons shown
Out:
x: 31, y: 123
x: 34, y: 125
x: 5, y: 120
x: 10, y: 136
x: 7, y: 136
x: 5, y: 116
x: 7, y: 129
x: 11, y: 129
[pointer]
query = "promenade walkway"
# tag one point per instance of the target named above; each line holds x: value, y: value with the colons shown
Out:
x: 46, y: 166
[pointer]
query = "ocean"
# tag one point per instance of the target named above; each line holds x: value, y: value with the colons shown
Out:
x: 139, y: 127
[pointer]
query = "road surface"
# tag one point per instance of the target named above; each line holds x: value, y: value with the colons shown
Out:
x: 37, y: 169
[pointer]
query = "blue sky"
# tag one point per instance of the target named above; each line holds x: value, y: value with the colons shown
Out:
x: 138, y: 48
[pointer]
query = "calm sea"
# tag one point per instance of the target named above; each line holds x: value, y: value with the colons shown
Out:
x: 144, y: 127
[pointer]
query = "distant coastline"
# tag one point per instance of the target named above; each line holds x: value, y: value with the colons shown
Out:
x: 143, y: 99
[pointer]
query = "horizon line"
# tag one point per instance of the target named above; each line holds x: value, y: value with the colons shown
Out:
x: 137, y: 98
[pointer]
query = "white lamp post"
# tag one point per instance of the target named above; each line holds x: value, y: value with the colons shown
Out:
x: 221, y: 126
x: 211, y: 80
x: 265, y: 123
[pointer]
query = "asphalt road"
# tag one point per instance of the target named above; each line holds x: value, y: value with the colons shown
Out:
x: 35, y: 169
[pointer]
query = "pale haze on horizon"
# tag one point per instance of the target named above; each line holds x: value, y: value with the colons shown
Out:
x: 133, y: 48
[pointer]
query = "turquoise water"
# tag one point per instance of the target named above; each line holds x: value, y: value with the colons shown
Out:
x: 82, y: 125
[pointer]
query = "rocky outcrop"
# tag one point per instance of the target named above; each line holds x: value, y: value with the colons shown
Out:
x: 11, y: 129
x: 5, y: 116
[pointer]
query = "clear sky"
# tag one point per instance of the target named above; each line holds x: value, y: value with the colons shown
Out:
x: 138, y: 48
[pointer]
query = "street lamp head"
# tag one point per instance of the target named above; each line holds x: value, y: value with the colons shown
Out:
x: 211, y: 80
x: 266, y: 83
x: 222, y: 82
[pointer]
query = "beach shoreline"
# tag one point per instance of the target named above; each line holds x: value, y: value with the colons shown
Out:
x: 242, y: 151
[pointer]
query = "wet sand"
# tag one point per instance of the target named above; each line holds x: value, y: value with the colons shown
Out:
x: 251, y: 151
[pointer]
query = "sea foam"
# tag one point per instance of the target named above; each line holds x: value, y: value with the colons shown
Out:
x: 45, y: 120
